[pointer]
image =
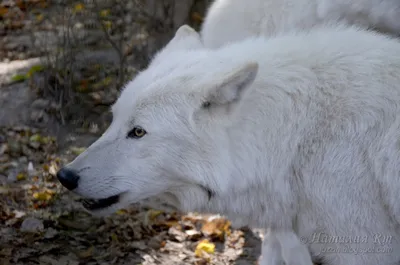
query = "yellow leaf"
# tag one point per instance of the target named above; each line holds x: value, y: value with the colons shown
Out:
x: 104, y: 12
x: 35, y: 138
x: 121, y: 212
x: 107, y: 24
x: 39, y: 17
x: 46, y: 167
x: 205, y: 246
x: 107, y: 81
x: 152, y: 214
x: 77, y: 150
x: 42, y: 196
x: 21, y: 176
x: 79, y: 7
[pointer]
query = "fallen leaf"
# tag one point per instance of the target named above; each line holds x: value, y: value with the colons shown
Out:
x: 204, y: 246
x: 42, y: 196
x: 216, y: 228
x: 39, y: 17
x: 107, y: 24
x: 104, y: 12
x: 152, y: 214
x: 77, y: 150
x: 18, y: 214
x: 3, y: 11
x: 79, y: 7
x: 21, y: 176
x: 35, y: 138
x: 193, y: 234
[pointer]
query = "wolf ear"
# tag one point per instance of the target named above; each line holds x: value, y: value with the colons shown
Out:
x: 185, y: 38
x: 185, y: 31
x: 232, y: 86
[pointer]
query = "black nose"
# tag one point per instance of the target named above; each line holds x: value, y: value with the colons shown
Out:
x: 68, y: 178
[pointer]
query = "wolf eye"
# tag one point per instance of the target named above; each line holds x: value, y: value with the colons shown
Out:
x: 136, y: 132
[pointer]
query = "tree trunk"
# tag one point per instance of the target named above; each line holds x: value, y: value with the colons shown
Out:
x: 167, y: 16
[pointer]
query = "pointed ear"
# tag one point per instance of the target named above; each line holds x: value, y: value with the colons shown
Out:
x: 185, y: 31
x: 232, y: 86
x: 185, y: 38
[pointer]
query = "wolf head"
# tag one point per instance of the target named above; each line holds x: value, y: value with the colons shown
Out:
x: 169, y: 134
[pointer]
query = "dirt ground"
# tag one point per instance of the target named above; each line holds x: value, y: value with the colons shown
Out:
x: 42, y: 223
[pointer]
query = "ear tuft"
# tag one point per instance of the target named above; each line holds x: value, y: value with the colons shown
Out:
x: 186, y: 38
x: 185, y: 31
x: 233, y: 85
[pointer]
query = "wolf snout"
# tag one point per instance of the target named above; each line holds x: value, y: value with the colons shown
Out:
x: 68, y: 178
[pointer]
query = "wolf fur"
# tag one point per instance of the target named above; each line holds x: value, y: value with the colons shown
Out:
x: 233, y: 20
x: 300, y: 137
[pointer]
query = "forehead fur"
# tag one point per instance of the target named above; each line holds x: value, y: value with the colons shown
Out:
x: 176, y: 81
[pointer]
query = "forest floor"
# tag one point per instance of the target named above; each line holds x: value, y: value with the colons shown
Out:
x: 41, y: 222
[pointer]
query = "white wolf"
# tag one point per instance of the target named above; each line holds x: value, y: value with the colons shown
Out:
x: 302, y: 137
x: 228, y: 21
x: 233, y: 20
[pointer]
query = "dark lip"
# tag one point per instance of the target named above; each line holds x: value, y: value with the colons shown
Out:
x: 92, y: 204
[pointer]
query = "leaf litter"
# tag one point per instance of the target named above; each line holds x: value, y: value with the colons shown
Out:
x: 42, y: 223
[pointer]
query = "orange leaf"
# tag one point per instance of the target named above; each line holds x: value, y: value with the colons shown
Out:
x: 216, y: 228
x: 3, y: 11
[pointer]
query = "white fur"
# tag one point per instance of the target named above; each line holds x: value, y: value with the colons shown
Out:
x: 229, y: 21
x: 284, y: 248
x: 302, y: 137
x: 233, y: 20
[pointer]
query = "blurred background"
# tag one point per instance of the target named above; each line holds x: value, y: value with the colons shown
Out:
x: 62, y: 65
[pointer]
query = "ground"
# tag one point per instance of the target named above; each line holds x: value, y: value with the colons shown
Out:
x: 41, y: 222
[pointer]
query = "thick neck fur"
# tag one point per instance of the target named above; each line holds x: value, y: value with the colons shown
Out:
x: 305, y: 96
x: 263, y: 185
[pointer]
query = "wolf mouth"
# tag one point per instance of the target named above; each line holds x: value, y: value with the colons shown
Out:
x: 92, y: 204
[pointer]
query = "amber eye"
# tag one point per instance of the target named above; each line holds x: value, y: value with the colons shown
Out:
x: 136, y: 132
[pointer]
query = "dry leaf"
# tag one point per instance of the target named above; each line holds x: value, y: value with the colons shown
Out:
x: 79, y: 7
x: 121, y: 212
x: 42, y: 196
x: 204, y: 246
x: 3, y: 11
x: 107, y: 24
x: 105, y: 13
x: 152, y: 214
x: 77, y: 150
x: 21, y: 176
x: 39, y: 17
x: 216, y: 229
